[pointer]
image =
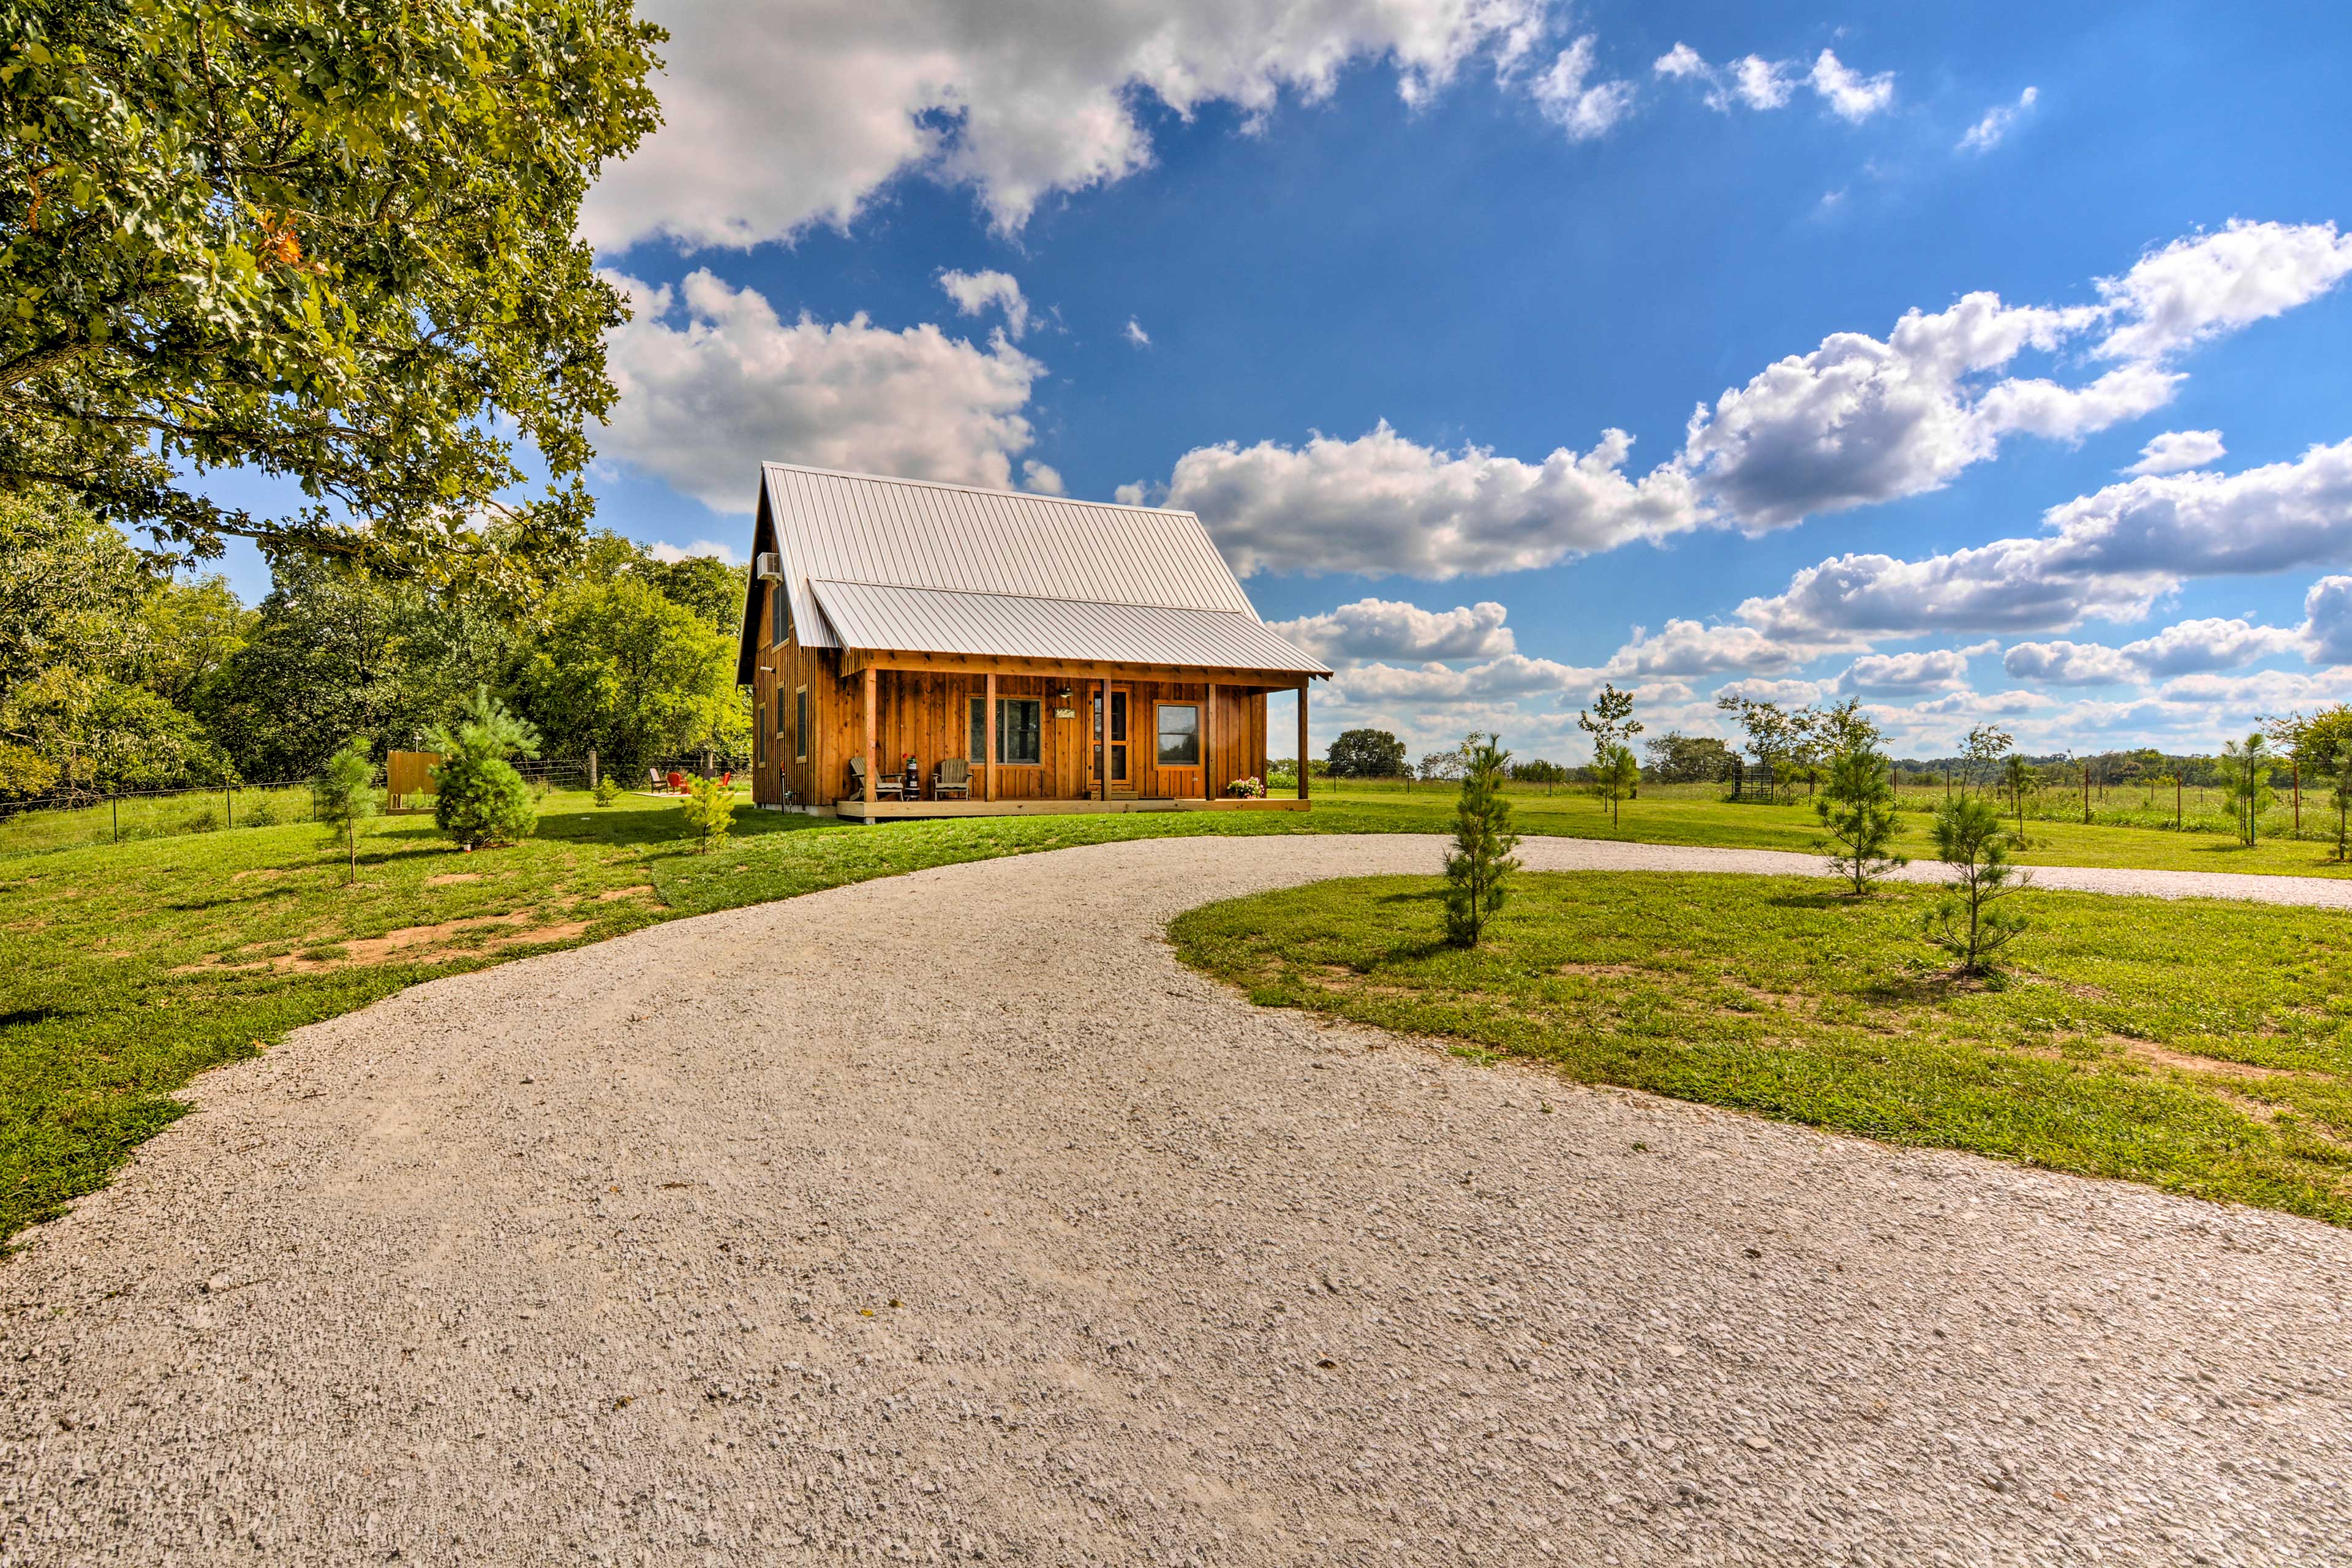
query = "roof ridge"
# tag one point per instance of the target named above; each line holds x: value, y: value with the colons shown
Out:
x: 767, y: 463
x: 1043, y: 598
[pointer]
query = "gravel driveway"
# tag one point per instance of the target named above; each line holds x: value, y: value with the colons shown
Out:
x: 947, y: 1218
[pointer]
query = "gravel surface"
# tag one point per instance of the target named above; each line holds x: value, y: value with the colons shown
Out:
x: 947, y: 1218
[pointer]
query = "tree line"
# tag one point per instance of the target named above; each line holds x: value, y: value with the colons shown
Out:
x: 118, y: 673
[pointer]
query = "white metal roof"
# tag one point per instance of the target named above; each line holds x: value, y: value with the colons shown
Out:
x: 1010, y: 553
x: 1011, y: 626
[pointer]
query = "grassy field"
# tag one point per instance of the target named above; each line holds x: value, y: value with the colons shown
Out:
x: 126, y: 969
x: 2200, y: 1047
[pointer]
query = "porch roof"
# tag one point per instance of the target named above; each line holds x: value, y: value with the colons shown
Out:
x: 1080, y: 631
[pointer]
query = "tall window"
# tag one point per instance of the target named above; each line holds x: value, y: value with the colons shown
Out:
x: 780, y: 611
x: 759, y: 735
x: 1019, y: 723
x: 800, y: 724
x: 975, y: 745
x: 1179, y: 735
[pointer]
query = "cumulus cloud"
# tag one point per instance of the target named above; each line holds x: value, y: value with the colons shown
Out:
x: 1942, y: 670
x: 2328, y: 622
x: 1384, y: 503
x: 1754, y: 82
x: 1042, y: 478
x: 1572, y: 99
x: 1388, y: 628
x: 2177, y: 449
x: 1694, y: 648
x: 1987, y: 133
x: 777, y: 117
x: 670, y: 554
x: 711, y: 378
x: 2202, y: 286
x: 974, y: 292
x: 2184, y: 648
x: 2109, y: 555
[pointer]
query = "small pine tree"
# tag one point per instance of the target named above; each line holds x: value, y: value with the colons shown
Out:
x: 2340, y: 786
x: 709, y: 811
x: 1615, y: 775
x: 480, y: 798
x: 1477, y: 873
x: 1857, y: 809
x: 2019, y: 775
x: 343, y: 795
x: 607, y: 792
x: 1969, y: 921
x: 2247, y: 772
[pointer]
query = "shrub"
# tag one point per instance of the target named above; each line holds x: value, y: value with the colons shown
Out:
x: 1477, y: 873
x: 481, y: 799
x: 262, y: 813
x: 1969, y: 921
x: 709, y: 811
x: 206, y: 819
x: 606, y: 791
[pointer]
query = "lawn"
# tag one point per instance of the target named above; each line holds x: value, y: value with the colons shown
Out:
x: 2198, y: 1046
x: 126, y: 969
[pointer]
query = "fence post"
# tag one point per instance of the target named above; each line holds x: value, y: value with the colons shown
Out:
x: 116, y: 801
x: 228, y: 798
x: 592, y: 767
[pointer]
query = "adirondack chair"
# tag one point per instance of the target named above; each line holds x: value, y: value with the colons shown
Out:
x: 952, y: 777
x: 888, y: 786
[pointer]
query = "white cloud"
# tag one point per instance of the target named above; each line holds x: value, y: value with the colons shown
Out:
x: 1382, y: 503
x: 1681, y: 61
x: 1570, y: 100
x: 2327, y: 623
x: 1941, y: 669
x: 1136, y: 492
x: 1987, y: 133
x: 2184, y: 648
x: 974, y: 292
x: 1387, y: 628
x: 670, y: 554
x: 2177, y: 449
x: 1042, y: 478
x: 2202, y: 286
x: 1760, y: 83
x: 711, y: 380
x: 1694, y: 648
x: 1135, y: 334
x: 1788, y: 694
x: 782, y: 116
x: 2110, y: 555
x: 1850, y: 95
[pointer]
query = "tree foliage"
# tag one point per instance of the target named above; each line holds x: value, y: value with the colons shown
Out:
x: 2246, y: 775
x: 331, y: 244
x: 479, y: 798
x: 635, y: 675
x: 1610, y: 722
x: 1477, y: 872
x: 1857, y: 811
x: 1677, y: 758
x: 1971, y: 922
x: 342, y: 796
x: 1616, y: 774
x: 709, y: 811
x: 1367, y: 754
x: 2339, y: 787
x: 1774, y: 736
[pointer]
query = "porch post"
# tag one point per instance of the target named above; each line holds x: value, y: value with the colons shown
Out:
x: 1302, y: 740
x: 988, y: 723
x: 1209, y: 746
x: 1102, y: 768
x: 870, y: 753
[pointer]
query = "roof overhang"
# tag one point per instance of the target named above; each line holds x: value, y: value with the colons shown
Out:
x: 873, y: 617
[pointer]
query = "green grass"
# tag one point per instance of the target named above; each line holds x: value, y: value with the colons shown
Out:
x: 2200, y: 1046
x: 126, y: 969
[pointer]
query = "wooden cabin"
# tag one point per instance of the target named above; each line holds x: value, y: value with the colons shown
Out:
x: 1071, y: 655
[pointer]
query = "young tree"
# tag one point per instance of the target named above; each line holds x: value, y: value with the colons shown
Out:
x: 1985, y: 747
x: 1969, y: 921
x: 336, y: 246
x: 342, y: 796
x: 622, y: 669
x: 1367, y: 754
x: 1610, y: 722
x: 709, y: 811
x: 2246, y: 775
x: 2017, y: 774
x: 2340, y: 786
x: 1772, y: 734
x: 1444, y: 767
x: 1857, y: 809
x: 480, y: 799
x: 1677, y: 758
x: 1477, y: 872
x: 1615, y: 774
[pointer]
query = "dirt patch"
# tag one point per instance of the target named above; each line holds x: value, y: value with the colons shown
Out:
x: 444, y: 878
x: 642, y: 890
x: 1601, y: 971
x: 2153, y: 1055
x: 411, y: 944
x: 257, y: 874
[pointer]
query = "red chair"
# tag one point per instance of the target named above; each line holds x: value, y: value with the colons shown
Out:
x: 678, y: 781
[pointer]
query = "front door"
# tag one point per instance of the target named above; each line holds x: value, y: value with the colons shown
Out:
x: 1120, y: 777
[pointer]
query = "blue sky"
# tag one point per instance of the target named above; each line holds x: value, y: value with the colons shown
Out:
x: 1454, y: 237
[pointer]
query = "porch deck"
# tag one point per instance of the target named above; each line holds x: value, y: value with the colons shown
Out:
x: 895, y: 810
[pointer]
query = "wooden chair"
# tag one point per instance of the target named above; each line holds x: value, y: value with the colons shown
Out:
x: 952, y: 777
x: 889, y: 786
x: 653, y: 780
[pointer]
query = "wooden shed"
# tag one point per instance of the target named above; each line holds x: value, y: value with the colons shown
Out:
x: 1047, y: 655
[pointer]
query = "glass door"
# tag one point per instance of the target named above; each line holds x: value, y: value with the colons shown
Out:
x: 1119, y: 777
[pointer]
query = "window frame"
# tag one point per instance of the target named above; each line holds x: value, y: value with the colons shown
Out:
x: 780, y: 615
x: 1159, y: 760
x: 1004, y: 757
x: 800, y: 723
x: 975, y: 730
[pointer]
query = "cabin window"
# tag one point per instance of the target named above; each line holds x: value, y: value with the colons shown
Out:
x: 975, y: 734
x: 800, y: 724
x: 1019, y: 723
x: 1179, y: 735
x: 780, y: 612
x: 760, y: 736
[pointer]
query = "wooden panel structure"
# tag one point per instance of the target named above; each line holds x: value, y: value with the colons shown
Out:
x: 921, y: 708
x: 407, y: 774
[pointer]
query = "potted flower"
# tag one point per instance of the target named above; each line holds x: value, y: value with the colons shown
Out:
x: 1251, y: 788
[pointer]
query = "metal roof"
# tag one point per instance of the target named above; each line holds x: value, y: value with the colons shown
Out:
x: 1012, y: 626
x: 1018, y: 554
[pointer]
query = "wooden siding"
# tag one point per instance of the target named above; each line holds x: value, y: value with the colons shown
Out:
x: 925, y: 712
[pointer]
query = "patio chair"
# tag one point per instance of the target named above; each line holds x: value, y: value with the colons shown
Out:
x: 952, y: 777
x: 889, y: 786
x: 653, y: 780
